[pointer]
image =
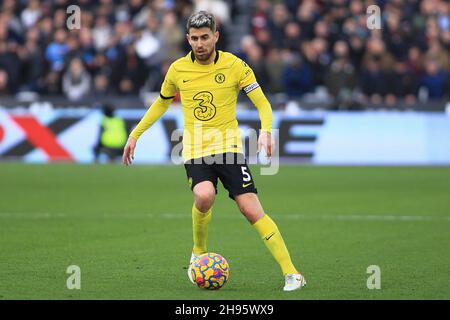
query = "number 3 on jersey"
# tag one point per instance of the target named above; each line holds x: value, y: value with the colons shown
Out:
x: 205, y: 109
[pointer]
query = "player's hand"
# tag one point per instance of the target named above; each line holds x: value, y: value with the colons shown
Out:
x: 128, y: 151
x: 265, y: 140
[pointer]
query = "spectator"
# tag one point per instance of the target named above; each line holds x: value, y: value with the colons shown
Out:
x: 445, y: 39
x: 259, y: 19
x: 218, y: 8
x: 172, y: 35
x: 73, y: 50
x: 222, y: 43
x: 4, y: 90
x: 134, y: 8
x: 11, y: 63
x: 437, y: 53
x: 148, y: 42
x: 274, y: 67
x: 341, y: 77
x: 127, y: 87
x: 306, y: 17
x: 101, y: 86
x: 318, y: 58
x: 256, y: 62
x: 59, y: 19
x: 443, y: 16
x: 32, y: 62
x: 435, y: 80
x: 31, y: 14
x: 132, y: 72
x: 396, y: 39
x: 76, y: 81
x: 376, y: 50
x: 373, y: 81
x: 52, y: 83
x: 357, y: 50
x: 265, y: 41
x: 401, y: 83
x: 57, y: 50
x: 45, y: 25
x: 12, y: 23
x: 414, y: 60
x: 101, y: 64
x: 298, y: 77
x: 277, y: 24
x: 87, y: 48
x: 247, y: 44
x: 292, y: 36
x: 321, y: 29
x: 156, y: 77
x: 101, y: 33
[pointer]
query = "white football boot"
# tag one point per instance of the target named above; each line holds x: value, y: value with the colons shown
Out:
x: 193, y: 257
x: 293, y: 282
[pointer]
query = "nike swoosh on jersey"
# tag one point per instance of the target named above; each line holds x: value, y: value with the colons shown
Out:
x: 246, y: 185
x: 184, y: 81
x: 270, y: 236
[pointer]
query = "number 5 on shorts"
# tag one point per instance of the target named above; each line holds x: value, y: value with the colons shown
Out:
x: 245, y: 174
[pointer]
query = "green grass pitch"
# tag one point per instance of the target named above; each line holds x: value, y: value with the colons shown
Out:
x: 129, y: 230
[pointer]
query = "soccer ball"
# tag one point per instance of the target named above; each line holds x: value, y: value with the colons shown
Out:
x: 210, y: 271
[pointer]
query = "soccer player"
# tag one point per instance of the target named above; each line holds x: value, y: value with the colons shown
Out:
x: 209, y: 81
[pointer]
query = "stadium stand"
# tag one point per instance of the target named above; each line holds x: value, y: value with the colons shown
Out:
x: 317, y: 53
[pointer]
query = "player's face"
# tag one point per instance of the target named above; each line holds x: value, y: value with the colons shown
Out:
x: 203, y: 42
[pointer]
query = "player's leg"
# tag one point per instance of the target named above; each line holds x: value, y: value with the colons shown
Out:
x: 203, y: 184
x: 251, y: 208
x: 204, y: 196
x: 237, y: 179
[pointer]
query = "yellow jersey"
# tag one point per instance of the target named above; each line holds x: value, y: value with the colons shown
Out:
x: 208, y: 96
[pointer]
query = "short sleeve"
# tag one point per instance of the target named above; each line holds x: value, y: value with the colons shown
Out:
x: 247, y: 81
x: 169, y: 88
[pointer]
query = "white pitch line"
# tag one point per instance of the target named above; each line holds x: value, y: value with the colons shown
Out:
x: 231, y: 215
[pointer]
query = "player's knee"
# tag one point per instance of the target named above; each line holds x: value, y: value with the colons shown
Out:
x: 245, y: 209
x: 250, y: 212
x: 204, y: 199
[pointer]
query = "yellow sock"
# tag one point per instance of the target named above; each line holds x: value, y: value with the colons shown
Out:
x: 273, y: 240
x: 200, y: 222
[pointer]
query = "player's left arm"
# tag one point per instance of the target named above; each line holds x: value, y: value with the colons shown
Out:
x: 254, y: 92
x: 156, y: 110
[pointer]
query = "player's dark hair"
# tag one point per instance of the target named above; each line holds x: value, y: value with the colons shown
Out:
x: 201, y: 19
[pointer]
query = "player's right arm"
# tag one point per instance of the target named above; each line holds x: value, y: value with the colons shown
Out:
x: 156, y: 110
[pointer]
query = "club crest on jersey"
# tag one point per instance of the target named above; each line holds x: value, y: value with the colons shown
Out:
x: 220, y: 78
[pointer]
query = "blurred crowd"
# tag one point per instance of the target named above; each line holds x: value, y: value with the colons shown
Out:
x: 327, y: 44
x: 295, y: 47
